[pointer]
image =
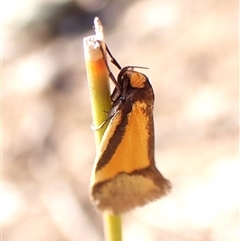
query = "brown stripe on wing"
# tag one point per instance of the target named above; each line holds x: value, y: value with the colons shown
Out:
x: 116, y: 138
x: 148, y: 172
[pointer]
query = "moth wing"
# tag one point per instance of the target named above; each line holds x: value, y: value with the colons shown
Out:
x: 125, y: 175
x: 127, y: 144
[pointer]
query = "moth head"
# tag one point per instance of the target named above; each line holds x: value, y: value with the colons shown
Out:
x: 128, y: 77
x: 132, y: 77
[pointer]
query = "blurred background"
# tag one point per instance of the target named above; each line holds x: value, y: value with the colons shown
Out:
x: 191, y: 49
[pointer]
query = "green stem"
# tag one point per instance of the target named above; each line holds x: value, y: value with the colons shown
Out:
x: 100, y: 103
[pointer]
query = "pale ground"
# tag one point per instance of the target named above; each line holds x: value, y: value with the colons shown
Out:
x: 191, y: 49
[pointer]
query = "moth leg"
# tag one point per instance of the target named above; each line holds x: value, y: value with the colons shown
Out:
x: 95, y: 128
x: 110, y: 74
x: 113, y: 60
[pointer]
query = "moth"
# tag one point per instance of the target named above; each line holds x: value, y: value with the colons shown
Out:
x: 124, y: 175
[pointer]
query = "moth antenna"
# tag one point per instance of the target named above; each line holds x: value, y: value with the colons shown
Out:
x: 137, y: 67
